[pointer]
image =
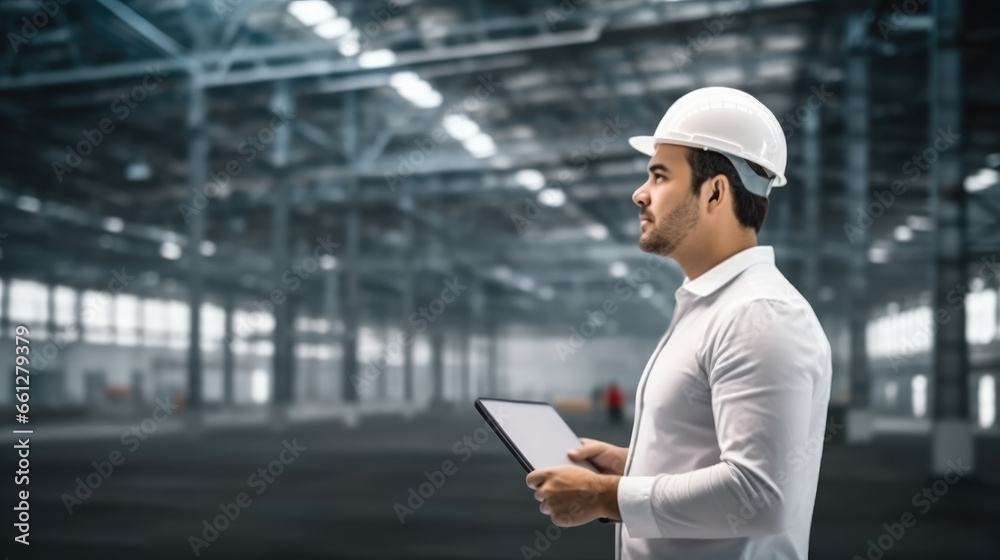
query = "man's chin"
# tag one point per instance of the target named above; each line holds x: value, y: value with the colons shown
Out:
x: 647, y: 245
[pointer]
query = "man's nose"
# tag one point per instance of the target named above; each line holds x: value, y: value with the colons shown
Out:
x: 640, y: 197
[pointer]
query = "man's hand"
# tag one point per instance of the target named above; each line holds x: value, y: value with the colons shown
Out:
x: 609, y: 459
x: 573, y: 495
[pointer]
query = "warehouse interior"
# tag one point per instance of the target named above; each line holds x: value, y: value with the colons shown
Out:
x: 230, y: 224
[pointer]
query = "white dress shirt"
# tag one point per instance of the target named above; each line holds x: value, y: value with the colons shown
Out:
x: 730, y: 418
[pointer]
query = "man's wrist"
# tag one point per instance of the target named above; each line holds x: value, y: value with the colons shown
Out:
x: 609, y: 497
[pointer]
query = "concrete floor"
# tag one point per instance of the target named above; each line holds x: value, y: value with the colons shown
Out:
x: 336, y: 499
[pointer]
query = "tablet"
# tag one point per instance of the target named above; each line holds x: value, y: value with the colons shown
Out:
x: 533, y: 432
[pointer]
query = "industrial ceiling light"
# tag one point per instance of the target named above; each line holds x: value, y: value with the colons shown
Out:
x: 334, y: 28
x: 312, y: 12
x: 982, y: 179
x: 460, y: 126
x: 597, y: 231
x: 427, y: 99
x: 349, y: 44
x: 113, y: 224
x: 618, y: 269
x: 903, y: 233
x: 532, y: 179
x: 878, y: 255
x: 29, y: 204
x: 207, y: 248
x: 552, y: 197
x: 170, y: 250
x: 138, y: 170
x: 411, y: 87
x: 377, y: 59
x: 480, y: 145
x: 919, y: 223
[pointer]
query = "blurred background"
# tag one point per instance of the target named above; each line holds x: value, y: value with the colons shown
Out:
x: 276, y: 249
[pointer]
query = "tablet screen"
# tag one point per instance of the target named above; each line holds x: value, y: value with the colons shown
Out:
x: 536, y: 430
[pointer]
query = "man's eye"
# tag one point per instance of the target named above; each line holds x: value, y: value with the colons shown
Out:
x: 658, y: 177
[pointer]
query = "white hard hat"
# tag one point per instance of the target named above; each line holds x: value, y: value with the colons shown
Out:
x: 728, y: 121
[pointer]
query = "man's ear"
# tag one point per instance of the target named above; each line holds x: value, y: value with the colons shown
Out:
x: 717, y: 189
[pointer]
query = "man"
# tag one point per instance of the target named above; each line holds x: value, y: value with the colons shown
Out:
x: 730, y: 412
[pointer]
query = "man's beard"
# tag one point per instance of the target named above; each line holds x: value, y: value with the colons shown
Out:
x: 669, y: 231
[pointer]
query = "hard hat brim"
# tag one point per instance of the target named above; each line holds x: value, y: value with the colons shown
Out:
x: 648, y: 144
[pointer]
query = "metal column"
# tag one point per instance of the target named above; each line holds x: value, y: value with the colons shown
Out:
x: 284, y: 328
x: 811, y: 182
x: 349, y: 390
x: 50, y: 301
x: 227, y: 352
x: 857, y: 196
x: 477, y: 307
x: 331, y: 303
x: 492, y: 381
x: 408, y: 303
x: 5, y: 307
x: 198, y: 152
x: 437, y: 366
x: 952, y: 436
x: 464, y: 361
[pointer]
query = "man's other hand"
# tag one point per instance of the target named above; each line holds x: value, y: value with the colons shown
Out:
x: 609, y: 459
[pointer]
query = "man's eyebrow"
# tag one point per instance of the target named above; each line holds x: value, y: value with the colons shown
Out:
x: 658, y: 166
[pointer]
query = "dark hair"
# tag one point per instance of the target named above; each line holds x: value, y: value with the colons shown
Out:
x: 750, y: 208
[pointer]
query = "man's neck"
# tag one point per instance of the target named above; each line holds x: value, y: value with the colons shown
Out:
x: 704, y: 258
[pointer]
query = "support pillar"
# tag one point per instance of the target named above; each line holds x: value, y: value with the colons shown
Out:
x: 349, y: 390
x: 331, y: 301
x: 859, y: 418
x: 949, y: 397
x: 227, y: 352
x: 5, y: 307
x: 198, y: 153
x: 811, y: 182
x: 408, y: 303
x: 283, y: 103
x: 437, y: 366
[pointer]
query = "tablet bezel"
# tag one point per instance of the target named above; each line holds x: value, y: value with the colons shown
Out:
x: 499, y: 431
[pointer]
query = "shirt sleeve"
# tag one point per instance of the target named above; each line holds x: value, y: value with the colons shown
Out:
x: 763, y: 369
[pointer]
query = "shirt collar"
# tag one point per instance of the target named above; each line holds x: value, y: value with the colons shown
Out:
x: 722, y: 273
